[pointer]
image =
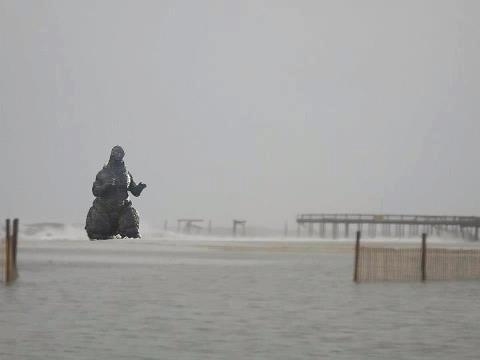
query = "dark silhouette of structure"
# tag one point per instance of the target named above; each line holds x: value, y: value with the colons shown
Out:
x: 390, y: 225
x: 241, y: 224
x: 187, y: 226
x: 112, y: 213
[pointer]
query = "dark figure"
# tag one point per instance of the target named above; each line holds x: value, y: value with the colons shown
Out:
x: 112, y: 212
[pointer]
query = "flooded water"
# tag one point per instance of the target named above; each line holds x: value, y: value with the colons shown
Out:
x: 219, y: 300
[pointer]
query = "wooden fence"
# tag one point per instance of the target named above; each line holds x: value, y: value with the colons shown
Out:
x: 378, y: 263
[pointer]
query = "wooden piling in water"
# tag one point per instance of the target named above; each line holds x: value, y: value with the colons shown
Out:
x: 424, y: 257
x: 335, y: 230
x: 7, y: 251
x: 357, y: 253
x: 14, y: 249
x: 10, y: 253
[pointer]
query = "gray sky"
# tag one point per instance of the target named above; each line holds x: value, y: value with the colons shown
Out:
x: 249, y: 109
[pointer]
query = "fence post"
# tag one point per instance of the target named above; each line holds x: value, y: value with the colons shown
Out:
x: 7, y: 251
x: 424, y: 257
x: 357, y: 252
x: 14, y: 249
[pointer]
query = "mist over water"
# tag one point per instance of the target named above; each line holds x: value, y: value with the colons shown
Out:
x: 249, y: 110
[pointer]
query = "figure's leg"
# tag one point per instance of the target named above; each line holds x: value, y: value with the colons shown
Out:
x: 128, y: 223
x: 98, y: 224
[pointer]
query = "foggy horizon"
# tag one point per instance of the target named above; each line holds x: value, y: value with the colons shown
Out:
x: 249, y: 110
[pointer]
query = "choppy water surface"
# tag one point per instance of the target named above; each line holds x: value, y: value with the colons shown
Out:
x: 185, y: 300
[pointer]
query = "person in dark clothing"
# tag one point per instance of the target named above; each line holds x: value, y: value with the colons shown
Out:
x: 112, y: 213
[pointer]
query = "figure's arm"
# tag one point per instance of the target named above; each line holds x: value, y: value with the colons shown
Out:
x: 135, y: 189
x: 99, y: 186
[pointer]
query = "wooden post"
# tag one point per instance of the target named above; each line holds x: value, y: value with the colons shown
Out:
x: 7, y: 251
x: 357, y: 253
x: 424, y: 257
x: 14, y: 249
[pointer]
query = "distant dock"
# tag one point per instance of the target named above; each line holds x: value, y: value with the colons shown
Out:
x: 335, y: 225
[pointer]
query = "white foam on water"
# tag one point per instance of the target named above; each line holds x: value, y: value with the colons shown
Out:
x: 57, y: 235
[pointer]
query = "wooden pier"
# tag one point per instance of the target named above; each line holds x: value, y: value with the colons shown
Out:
x: 336, y: 225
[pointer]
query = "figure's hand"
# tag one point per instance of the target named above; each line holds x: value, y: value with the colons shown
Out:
x: 137, y: 189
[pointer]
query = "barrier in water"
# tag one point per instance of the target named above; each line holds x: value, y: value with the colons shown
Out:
x: 422, y: 263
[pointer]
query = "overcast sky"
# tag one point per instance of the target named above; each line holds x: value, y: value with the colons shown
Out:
x: 241, y: 109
